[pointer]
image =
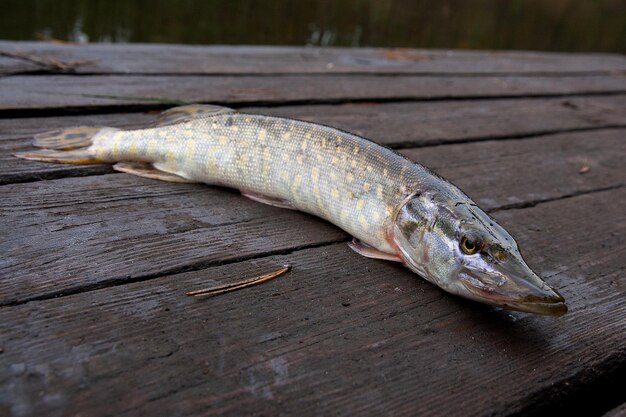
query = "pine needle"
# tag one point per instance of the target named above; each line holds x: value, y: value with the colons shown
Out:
x: 222, y: 289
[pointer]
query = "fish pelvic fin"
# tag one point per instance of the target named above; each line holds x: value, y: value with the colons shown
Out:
x: 146, y: 170
x: 64, y: 146
x: 369, y: 251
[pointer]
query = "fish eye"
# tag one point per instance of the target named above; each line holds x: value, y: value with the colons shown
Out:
x: 468, y: 246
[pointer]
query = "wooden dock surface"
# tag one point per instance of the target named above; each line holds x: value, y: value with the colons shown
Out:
x: 94, y: 265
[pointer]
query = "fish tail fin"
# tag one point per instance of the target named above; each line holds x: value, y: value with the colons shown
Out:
x: 64, y: 146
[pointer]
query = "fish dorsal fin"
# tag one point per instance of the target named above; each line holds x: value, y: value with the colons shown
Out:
x: 183, y: 114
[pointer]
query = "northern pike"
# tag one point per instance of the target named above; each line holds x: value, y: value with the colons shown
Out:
x: 395, y: 209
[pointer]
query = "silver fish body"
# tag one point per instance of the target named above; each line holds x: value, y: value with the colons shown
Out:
x: 345, y: 179
x: 395, y: 208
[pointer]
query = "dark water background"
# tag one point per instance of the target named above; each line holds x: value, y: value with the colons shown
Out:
x: 551, y: 25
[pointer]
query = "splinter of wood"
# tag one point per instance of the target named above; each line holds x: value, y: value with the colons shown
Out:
x: 221, y: 289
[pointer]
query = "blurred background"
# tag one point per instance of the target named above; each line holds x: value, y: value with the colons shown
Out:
x: 549, y: 25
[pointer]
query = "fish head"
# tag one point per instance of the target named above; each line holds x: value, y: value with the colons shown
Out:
x: 458, y: 247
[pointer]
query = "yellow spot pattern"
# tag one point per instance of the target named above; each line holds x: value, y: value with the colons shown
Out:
x: 132, y: 149
x: 363, y: 222
x: 315, y: 174
x: 190, y: 149
x: 295, y: 186
x: 152, y: 145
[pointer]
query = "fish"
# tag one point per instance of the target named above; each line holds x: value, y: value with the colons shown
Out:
x: 394, y: 208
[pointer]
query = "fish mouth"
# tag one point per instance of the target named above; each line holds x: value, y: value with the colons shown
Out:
x: 529, y: 294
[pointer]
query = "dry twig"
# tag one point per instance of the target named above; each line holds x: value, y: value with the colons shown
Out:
x: 47, y: 62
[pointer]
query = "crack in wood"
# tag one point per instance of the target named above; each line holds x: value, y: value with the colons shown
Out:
x: 39, y: 72
x: 533, y: 203
x: 445, y: 142
x: 162, y: 103
x: 113, y: 282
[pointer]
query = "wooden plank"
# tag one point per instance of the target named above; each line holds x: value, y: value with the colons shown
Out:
x: 14, y: 66
x: 93, y: 223
x: 619, y: 411
x: 416, y: 124
x: 28, y: 92
x: 356, y: 337
x: 190, y: 59
x: 122, y: 223
x: 503, y: 174
x: 393, y: 124
x: 16, y: 135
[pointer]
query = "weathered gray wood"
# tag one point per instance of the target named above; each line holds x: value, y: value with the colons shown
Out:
x: 340, y: 335
x: 187, y: 59
x: 16, y: 135
x: 125, y: 222
x: 28, y: 92
x: 392, y: 124
x: 428, y: 123
x: 92, y: 224
x: 510, y: 173
x: 619, y: 411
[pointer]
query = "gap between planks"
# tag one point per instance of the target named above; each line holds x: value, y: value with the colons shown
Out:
x: 163, y: 103
x: 43, y: 73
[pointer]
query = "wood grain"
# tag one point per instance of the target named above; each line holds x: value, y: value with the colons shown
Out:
x: 340, y: 335
x: 94, y: 266
x: 59, y: 92
x: 187, y: 59
x: 619, y: 411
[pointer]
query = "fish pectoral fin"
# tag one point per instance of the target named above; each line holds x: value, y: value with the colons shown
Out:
x: 183, y: 114
x: 148, y: 171
x: 272, y: 201
x: 371, y: 252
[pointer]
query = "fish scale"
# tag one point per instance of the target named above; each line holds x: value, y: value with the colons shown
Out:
x: 345, y: 179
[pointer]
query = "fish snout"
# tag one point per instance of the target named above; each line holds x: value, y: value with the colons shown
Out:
x: 514, y: 291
